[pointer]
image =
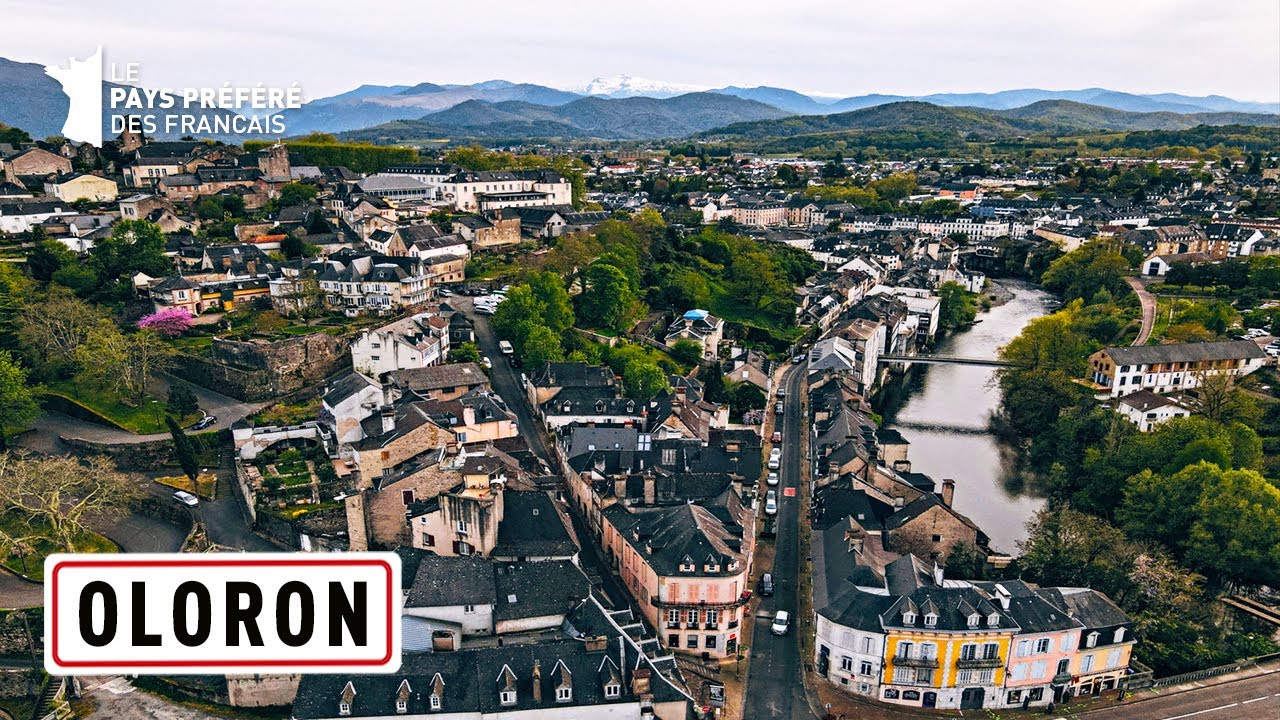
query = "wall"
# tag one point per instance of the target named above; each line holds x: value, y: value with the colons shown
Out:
x: 261, y: 690
x: 260, y: 370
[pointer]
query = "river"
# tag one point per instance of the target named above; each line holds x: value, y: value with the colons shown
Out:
x: 943, y: 411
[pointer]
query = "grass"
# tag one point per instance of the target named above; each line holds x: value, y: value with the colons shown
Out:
x: 286, y: 414
x: 144, y: 418
x: 206, y: 484
x: 41, y: 545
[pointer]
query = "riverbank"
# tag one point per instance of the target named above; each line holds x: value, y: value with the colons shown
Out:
x: 944, y: 411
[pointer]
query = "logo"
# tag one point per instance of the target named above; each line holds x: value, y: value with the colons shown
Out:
x: 222, y: 613
x: 82, y: 82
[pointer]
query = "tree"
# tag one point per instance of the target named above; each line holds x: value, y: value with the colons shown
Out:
x: 1236, y: 535
x: 169, y: 322
x: 123, y: 363
x: 17, y: 401
x: 182, y: 400
x: 956, y: 306
x: 713, y: 387
x: 643, y: 380
x: 47, y: 257
x: 541, y: 346
x: 556, y: 308
x: 184, y: 452
x: 296, y: 193
x: 608, y: 297
x: 1083, y: 272
x: 686, y: 352
x: 62, y: 493
x: 464, y: 353
x: 269, y: 322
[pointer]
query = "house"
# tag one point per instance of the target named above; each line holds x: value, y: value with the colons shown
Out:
x: 1158, y: 265
x: 855, y: 350
x: 555, y: 377
x: 440, y: 382
x: 763, y: 213
x: 417, y: 341
x: 688, y: 570
x: 1119, y: 371
x: 359, y: 283
x: 19, y: 217
x: 490, y: 230
x: 1147, y: 409
x: 492, y: 190
x: 592, y: 669
x: 82, y: 186
x: 699, y: 326
x: 1102, y: 656
x: 34, y: 163
x: 347, y: 401
x: 465, y: 518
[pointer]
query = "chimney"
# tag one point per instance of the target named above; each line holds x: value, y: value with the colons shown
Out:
x: 899, y: 502
x: 388, y: 413
x: 537, y: 681
x: 226, y: 262
x: 948, y: 491
x: 597, y: 643
x: 640, y: 681
x: 937, y: 574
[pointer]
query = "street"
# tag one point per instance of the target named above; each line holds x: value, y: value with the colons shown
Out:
x: 774, y: 686
x: 1255, y: 697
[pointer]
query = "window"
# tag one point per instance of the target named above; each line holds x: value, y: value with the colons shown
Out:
x: 866, y: 645
x: 974, y: 619
x: 985, y: 676
x: 968, y: 651
x: 709, y: 642
x: 612, y: 691
x: 1086, y: 664
x: 864, y: 668
x: 673, y: 640
x: 435, y: 702
x: 1024, y: 648
x: 1043, y: 645
x: 691, y: 641
x: 1113, y: 658
x: 1035, y: 694
x: 428, y: 540
x: 904, y: 649
x: 903, y: 676
x: 1015, y: 696
x: 846, y: 663
x: 930, y: 620
x: 993, y: 620
x: 928, y: 651
x: 673, y: 617
x: 1119, y: 636
x: 1092, y: 640
x: 406, y: 496
x: 1068, y: 643
x: 564, y: 694
x: 1018, y: 672
x: 713, y: 617
x: 1038, y: 669
x: 908, y: 618
x: 462, y: 527
x: 991, y: 651
x: 468, y: 608
x: 693, y: 617
x: 507, y: 697
x: 402, y: 706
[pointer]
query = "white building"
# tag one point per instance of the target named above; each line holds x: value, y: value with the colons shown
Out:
x: 414, y: 342
x: 1147, y: 409
x: 490, y: 190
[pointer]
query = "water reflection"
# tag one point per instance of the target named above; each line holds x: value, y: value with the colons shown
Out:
x: 944, y: 411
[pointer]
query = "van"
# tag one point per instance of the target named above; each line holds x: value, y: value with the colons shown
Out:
x: 777, y: 409
x: 505, y: 347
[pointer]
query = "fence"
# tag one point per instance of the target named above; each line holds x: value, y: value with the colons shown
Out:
x: 1214, y: 671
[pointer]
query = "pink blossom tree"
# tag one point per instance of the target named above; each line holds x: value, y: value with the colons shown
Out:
x: 169, y: 322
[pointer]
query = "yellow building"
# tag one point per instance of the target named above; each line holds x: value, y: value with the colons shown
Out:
x: 946, y: 647
x: 83, y: 187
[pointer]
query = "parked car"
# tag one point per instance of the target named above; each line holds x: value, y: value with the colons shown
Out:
x: 777, y: 436
x: 781, y: 623
x: 782, y: 392
x: 771, y: 503
x: 775, y: 458
x: 488, y: 364
x: 766, y: 585
x: 445, y: 292
x: 484, y: 310
x: 797, y: 360
x: 505, y: 347
x: 205, y: 422
x: 777, y: 409
x: 772, y: 479
x: 524, y: 380
x: 186, y: 498
x: 770, y: 528
x: 514, y: 361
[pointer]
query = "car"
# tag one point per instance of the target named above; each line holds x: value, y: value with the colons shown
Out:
x: 777, y: 409
x: 766, y: 585
x: 770, y: 528
x: 775, y: 458
x: 514, y: 361
x: 782, y: 392
x: 186, y: 498
x: 484, y: 310
x: 772, y: 479
x: 797, y: 360
x: 505, y: 347
x: 781, y: 623
x: 488, y: 364
x: 205, y: 422
x: 1273, y: 351
x: 777, y: 436
x: 771, y: 503
x: 445, y: 292
x: 524, y: 381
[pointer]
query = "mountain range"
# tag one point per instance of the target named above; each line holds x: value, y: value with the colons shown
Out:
x: 633, y: 108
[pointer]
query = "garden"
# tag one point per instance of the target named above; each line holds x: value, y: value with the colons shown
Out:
x: 294, y: 481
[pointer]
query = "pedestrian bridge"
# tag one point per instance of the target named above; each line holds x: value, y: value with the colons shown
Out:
x: 945, y: 360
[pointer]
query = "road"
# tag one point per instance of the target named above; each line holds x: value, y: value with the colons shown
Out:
x: 504, y: 379
x: 1148, y: 302
x: 1256, y: 697
x: 774, y: 684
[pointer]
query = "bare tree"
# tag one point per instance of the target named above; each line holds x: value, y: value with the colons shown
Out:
x: 64, y: 493
x: 1216, y: 391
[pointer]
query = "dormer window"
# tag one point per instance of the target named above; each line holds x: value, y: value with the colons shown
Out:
x: 908, y: 618
x: 974, y: 619
x: 507, y: 698
x: 1091, y: 640
x: 344, y: 709
x: 564, y: 694
x: 930, y: 620
x: 402, y: 706
x: 434, y: 702
x: 993, y: 620
x: 613, y: 691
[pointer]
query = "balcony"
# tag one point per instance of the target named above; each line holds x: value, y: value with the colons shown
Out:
x: 979, y: 663
x: 711, y: 626
x: 1063, y: 679
x: 915, y: 662
x: 691, y: 625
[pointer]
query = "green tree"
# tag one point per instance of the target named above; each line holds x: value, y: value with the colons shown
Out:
x: 956, y: 306
x: 17, y: 400
x: 1083, y: 272
x: 1236, y: 535
x: 296, y: 193
x: 185, y: 453
x: 608, y: 298
x: 541, y: 346
x: 713, y: 387
x: 686, y: 352
x: 467, y: 352
x: 47, y: 257
x: 182, y: 400
x: 643, y: 380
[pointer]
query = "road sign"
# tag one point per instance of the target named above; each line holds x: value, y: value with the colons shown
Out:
x: 152, y: 614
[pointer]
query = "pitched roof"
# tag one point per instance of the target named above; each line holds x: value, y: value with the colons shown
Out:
x: 1185, y: 352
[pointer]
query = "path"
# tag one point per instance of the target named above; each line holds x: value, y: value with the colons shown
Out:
x: 1148, y: 302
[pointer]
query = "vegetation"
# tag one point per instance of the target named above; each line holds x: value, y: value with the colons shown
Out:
x: 957, y: 306
x: 325, y: 150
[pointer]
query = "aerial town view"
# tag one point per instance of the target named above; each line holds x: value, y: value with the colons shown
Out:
x: 666, y: 361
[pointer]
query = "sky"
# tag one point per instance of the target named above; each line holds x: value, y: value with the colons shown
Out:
x: 832, y: 47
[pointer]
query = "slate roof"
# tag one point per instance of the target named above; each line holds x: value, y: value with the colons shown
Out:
x: 531, y: 527
x: 1031, y: 611
x: 1090, y: 607
x: 664, y: 537
x: 447, y: 581
x: 1185, y: 352
x: 345, y: 387
x: 438, y: 377
x: 537, y: 589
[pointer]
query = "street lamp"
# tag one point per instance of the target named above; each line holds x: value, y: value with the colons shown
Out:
x: 155, y: 409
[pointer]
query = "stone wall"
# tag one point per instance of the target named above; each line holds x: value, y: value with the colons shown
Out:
x: 260, y: 370
x: 261, y: 690
x: 150, y: 454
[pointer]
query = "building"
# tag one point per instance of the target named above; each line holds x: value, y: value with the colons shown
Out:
x: 492, y: 190
x: 418, y: 341
x: 1147, y: 409
x: 82, y: 186
x: 440, y: 382
x: 35, y: 162
x: 699, y: 326
x: 1120, y: 371
x: 489, y: 230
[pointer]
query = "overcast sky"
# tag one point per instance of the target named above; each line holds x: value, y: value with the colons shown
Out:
x: 834, y: 47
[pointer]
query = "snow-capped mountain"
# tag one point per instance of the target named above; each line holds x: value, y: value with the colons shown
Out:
x: 624, y: 86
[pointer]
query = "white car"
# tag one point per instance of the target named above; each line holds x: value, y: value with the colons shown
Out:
x: 772, y: 479
x: 186, y: 498
x: 485, y: 309
x: 775, y: 458
x: 771, y: 503
x: 781, y: 623
x: 488, y: 364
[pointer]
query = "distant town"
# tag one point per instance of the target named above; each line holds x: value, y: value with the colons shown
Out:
x: 748, y: 425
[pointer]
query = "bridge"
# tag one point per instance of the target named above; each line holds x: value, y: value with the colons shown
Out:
x: 1249, y: 606
x: 945, y: 360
